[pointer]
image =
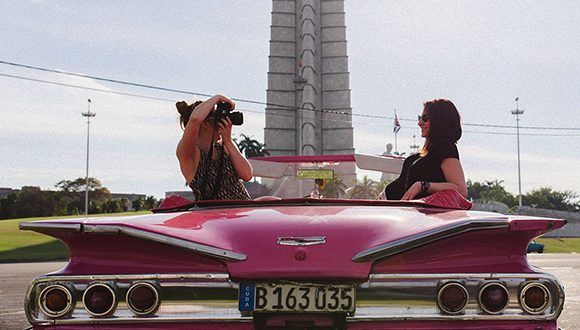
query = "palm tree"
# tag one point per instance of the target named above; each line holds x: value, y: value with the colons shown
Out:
x: 382, y: 184
x: 251, y: 147
x: 334, y: 188
x: 365, y: 189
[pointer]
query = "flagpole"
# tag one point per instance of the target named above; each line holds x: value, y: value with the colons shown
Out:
x: 396, y: 131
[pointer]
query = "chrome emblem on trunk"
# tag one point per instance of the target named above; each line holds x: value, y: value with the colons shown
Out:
x: 312, y: 240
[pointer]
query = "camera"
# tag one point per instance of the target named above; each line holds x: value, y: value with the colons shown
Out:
x: 223, y: 110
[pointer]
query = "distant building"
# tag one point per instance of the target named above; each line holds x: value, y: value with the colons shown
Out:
x: 129, y: 197
x: 308, y: 108
x: 7, y: 191
x: 188, y: 194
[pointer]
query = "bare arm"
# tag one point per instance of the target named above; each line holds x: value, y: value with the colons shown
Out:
x: 187, y: 150
x: 241, y: 164
x: 453, y: 172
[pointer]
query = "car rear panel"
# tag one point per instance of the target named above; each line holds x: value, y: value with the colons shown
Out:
x: 397, y: 257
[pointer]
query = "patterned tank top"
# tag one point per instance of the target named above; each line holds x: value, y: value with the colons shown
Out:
x: 231, y: 186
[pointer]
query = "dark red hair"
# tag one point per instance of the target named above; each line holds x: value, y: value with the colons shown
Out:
x: 444, y: 123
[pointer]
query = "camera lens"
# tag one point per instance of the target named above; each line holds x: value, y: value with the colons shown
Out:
x: 224, y: 106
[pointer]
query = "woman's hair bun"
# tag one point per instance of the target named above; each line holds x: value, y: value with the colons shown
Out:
x: 185, y: 111
x: 181, y: 107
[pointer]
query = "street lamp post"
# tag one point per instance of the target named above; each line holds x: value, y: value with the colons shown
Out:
x: 415, y: 146
x: 87, y: 114
x: 518, y: 112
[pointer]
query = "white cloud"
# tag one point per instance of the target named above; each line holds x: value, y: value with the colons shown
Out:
x: 419, y: 51
x: 132, y: 140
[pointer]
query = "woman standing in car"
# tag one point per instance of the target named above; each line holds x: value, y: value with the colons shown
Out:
x: 436, y: 167
x: 212, y: 170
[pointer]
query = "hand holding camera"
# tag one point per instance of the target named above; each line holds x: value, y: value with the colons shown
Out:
x: 223, y: 109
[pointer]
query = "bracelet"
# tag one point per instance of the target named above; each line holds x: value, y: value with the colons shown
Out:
x: 425, y: 186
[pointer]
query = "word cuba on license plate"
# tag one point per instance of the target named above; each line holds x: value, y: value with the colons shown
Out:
x: 268, y: 297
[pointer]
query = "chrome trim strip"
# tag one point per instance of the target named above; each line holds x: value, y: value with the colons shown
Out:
x: 216, y: 278
x: 453, y: 318
x: 529, y: 276
x: 148, y: 320
x: 242, y: 319
x: 301, y: 241
x: 39, y: 226
x: 223, y: 279
x: 429, y: 236
x: 160, y: 238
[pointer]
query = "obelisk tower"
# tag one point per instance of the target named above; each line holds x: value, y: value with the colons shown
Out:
x: 308, y: 111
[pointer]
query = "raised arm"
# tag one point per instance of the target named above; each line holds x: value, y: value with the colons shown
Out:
x: 453, y: 172
x: 187, y: 151
x: 241, y: 164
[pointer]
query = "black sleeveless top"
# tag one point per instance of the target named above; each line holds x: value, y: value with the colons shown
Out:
x: 417, y: 168
x: 231, y: 185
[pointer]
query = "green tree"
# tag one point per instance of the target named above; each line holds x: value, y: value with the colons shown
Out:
x: 33, y: 202
x: 8, y: 206
x: 65, y: 206
x: 151, y: 202
x: 98, y: 206
x: 250, y: 147
x: 334, y: 188
x: 96, y: 190
x: 73, y: 192
x: 365, y: 189
x: 138, y: 204
x: 124, y: 204
x: 113, y: 206
x: 490, y: 191
x: 382, y: 184
x: 547, y: 198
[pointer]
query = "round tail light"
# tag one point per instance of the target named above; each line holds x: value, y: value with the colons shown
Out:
x: 99, y: 299
x: 534, y: 298
x: 55, y: 300
x: 452, y: 298
x: 143, y: 299
x: 493, y: 298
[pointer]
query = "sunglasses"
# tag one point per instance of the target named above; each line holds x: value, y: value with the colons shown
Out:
x: 423, y: 118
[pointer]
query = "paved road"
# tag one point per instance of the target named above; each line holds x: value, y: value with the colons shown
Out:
x: 14, y: 279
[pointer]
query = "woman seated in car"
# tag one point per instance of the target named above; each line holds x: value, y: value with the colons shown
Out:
x: 436, y: 167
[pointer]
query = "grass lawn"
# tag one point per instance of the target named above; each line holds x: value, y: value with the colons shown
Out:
x: 560, y: 245
x: 25, y: 245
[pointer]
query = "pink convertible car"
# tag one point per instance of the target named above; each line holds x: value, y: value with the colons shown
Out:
x: 299, y: 263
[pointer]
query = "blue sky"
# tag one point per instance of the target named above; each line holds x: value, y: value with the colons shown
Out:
x: 480, y: 54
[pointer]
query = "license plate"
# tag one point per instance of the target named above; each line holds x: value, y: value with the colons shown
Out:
x: 268, y: 297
